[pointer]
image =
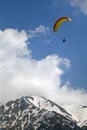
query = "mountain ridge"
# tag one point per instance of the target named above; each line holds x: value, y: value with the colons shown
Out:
x: 36, y: 113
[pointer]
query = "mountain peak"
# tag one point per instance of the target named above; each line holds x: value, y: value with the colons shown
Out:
x: 35, y: 113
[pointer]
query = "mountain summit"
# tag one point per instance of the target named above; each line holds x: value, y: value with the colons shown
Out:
x: 37, y: 113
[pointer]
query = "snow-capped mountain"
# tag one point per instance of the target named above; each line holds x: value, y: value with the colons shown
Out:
x: 37, y: 113
x: 78, y: 112
x: 43, y: 103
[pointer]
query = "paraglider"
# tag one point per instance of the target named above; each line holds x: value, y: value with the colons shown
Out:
x: 59, y: 22
x: 64, y: 40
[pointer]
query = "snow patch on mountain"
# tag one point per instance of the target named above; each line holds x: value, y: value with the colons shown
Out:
x: 78, y: 112
x: 43, y: 103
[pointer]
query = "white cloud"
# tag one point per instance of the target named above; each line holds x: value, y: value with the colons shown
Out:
x: 80, y: 4
x: 21, y: 75
x: 41, y: 30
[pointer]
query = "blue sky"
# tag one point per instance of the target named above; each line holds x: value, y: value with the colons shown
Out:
x: 37, y: 18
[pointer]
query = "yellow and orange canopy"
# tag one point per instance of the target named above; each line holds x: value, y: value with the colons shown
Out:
x: 59, y: 22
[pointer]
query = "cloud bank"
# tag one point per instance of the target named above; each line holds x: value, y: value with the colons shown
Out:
x: 79, y: 4
x: 21, y: 75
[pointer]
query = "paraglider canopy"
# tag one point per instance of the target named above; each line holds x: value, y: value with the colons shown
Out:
x: 59, y: 22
